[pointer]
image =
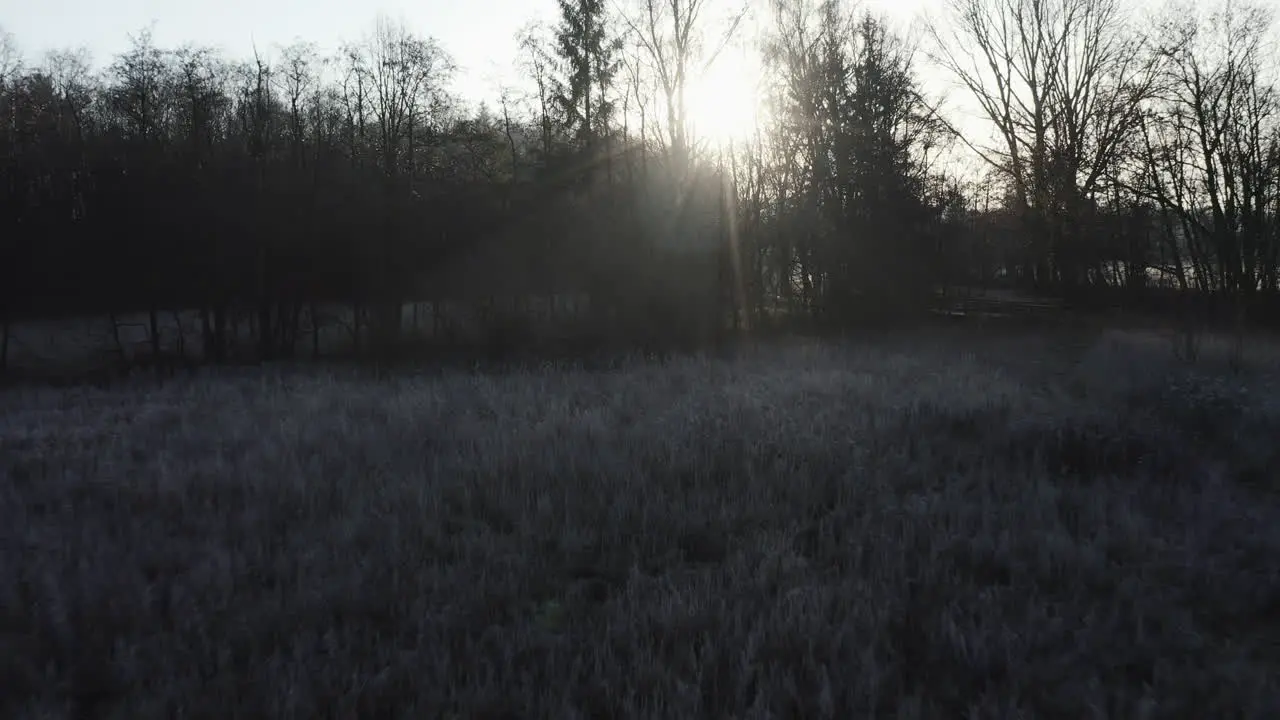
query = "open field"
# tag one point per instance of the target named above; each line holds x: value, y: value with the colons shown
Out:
x: 925, y: 527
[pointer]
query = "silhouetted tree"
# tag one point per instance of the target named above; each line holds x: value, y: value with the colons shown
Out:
x: 1062, y: 82
x: 339, y: 188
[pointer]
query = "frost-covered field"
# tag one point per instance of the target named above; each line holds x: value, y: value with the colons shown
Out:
x: 916, y: 529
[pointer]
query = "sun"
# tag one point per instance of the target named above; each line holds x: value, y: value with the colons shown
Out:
x: 724, y: 102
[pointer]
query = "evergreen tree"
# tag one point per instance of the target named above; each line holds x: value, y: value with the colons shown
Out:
x: 589, y: 51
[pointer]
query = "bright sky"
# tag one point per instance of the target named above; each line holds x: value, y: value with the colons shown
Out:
x: 478, y: 33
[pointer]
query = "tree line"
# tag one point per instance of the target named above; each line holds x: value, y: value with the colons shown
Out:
x: 1129, y: 155
x: 1132, y: 151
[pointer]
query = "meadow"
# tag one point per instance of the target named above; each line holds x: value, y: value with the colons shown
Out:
x: 942, y: 525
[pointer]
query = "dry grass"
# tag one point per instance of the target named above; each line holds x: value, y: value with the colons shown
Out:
x: 910, y: 530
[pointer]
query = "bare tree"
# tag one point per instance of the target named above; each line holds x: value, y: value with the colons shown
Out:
x: 640, y: 91
x: 297, y: 81
x: 10, y: 58
x: 141, y: 98
x: 673, y: 37
x: 1212, y: 141
x: 538, y: 61
x: 1062, y: 83
x: 406, y: 75
x: 70, y: 73
x: 10, y: 65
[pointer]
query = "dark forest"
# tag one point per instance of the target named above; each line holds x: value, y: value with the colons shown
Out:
x: 1128, y: 169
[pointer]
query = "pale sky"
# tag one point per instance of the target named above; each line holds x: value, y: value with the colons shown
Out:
x: 478, y: 33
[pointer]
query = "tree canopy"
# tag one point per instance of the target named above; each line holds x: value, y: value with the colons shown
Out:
x: 1129, y: 155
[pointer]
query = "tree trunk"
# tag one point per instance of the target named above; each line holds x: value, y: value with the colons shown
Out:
x: 289, y: 319
x: 315, y: 331
x: 153, y: 318
x: 206, y: 333
x: 6, y: 326
x: 115, y: 333
x: 219, y: 333
x: 266, y: 344
x: 181, y: 338
x: 357, y: 309
x: 387, y: 327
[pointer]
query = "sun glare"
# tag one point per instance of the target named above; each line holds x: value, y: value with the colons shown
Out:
x: 724, y: 104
